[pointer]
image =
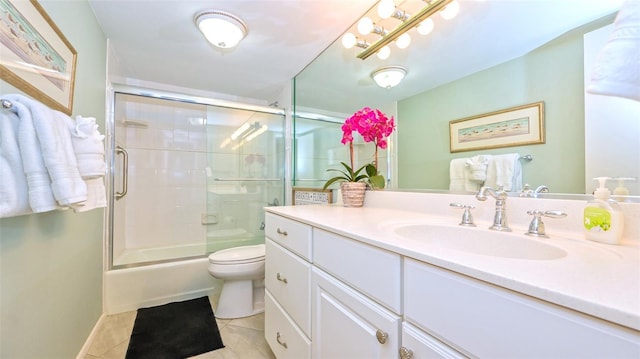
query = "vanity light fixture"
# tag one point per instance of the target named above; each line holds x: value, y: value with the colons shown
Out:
x: 386, y: 9
x: 388, y: 76
x: 220, y: 28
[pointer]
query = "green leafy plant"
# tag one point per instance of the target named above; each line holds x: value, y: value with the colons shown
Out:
x: 369, y: 176
x: 374, y: 126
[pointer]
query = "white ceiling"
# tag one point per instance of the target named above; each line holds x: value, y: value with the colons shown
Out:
x: 157, y: 41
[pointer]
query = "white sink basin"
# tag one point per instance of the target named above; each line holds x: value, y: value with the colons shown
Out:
x: 480, y: 241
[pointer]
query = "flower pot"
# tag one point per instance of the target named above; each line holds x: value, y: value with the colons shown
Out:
x: 353, y: 193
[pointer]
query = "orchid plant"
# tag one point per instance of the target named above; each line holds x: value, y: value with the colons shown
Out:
x: 374, y: 126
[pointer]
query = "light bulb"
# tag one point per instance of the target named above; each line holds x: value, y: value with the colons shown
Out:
x: 349, y: 40
x: 386, y: 8
x: 425, y: 27
x: 365, y: 25
x: 384, y: 53
x: 450, y: 11
x: 403, y: 41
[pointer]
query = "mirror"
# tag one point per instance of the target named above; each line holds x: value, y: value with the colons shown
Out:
x: 494, y: 55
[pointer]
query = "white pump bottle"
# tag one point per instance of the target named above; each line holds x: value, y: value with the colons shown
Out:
x: 603, y: 217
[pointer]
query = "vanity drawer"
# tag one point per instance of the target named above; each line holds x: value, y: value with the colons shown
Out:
x: 291, y: 234
x: 288, y: 278
x: 417, y: 344
x: 488, y: 321
x: 373, y: 271
x: 283, y: 336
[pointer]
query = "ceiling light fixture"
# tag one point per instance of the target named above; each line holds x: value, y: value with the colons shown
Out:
x: 386, y: 9
x: 220, y: 28
x: 388, y: 76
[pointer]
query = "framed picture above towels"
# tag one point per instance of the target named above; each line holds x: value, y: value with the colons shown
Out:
x: 515, y: 126
x: 35, y: 57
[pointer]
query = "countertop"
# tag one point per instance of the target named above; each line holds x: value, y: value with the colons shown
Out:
x: 597, y: 279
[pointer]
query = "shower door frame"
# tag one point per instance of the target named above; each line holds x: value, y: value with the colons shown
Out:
x: 111, y: 152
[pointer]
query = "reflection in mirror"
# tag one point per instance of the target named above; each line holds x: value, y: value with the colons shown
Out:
x: 317, y: 148
x: 496, y: 54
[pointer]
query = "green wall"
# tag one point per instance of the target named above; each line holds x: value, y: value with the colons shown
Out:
x: 51, y: 263
x: 552, y: 73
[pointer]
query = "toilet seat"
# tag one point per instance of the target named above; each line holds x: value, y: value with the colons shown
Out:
x: 238, y: 255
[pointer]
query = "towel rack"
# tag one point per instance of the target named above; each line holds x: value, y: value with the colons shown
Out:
x: 526, y: 158
x: 6, y: 104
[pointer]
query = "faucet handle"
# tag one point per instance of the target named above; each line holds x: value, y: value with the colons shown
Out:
x: 536, y: 227
x: 467, y: 218
x: 526, y: 191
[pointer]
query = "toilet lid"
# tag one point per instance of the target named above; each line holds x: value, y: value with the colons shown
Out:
x: 235, y: 255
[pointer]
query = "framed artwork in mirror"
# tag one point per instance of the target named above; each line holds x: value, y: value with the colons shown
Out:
x: 35, y: 57
x: 305, y: 196
x: 515, y: 126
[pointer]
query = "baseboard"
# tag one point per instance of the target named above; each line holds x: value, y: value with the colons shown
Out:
x: 87, y: 343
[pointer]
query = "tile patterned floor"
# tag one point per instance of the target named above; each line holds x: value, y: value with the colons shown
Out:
x: 243, y: 338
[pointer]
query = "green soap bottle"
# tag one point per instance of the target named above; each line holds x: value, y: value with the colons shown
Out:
x: 603, y: 218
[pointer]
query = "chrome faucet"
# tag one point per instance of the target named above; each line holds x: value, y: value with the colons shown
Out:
x: 535, y: 193
x: 540, y: 189
x: 500, y: 218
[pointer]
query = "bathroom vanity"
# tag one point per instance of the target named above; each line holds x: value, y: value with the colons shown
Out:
x: 384, y: 281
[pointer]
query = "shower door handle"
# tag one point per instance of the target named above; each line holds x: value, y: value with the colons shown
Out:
x: 125, y: 171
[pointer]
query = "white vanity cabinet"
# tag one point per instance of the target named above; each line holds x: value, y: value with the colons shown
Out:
x: 356, y: 299
x: 288, y: 287
x: 487, y: 321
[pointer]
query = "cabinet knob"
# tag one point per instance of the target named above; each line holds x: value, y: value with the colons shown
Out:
x: 382, y: 336
x: 281, y: 278
x: 284, y: 344
x: 406, y: 353
x: 284, y: 233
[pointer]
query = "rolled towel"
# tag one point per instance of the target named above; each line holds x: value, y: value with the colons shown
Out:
x: 88, y: 146
x: 14, y: 191
x: 478, y: 168
x: 41, y: 197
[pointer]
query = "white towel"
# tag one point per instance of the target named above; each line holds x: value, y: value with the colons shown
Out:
x: 96, y: 196
x: 88, y: 146
x: 456, y: 174
x: 56, y: 151
x: 14, y: 192
x: 460, y: 176
x: 505, y: 170
x: 478, y: 168
x: 616, y: 72
x: 40, y: 195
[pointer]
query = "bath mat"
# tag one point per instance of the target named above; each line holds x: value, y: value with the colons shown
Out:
x: 175, y: 330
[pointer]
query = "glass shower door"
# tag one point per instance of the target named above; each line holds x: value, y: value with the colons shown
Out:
x: 190, y: 178
x: 245, y: 173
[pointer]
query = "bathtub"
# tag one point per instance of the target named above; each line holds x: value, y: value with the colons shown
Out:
x: 128, y: 289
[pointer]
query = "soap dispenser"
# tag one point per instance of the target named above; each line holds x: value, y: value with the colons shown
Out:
x: 603, y: 218
x: 621, y: 191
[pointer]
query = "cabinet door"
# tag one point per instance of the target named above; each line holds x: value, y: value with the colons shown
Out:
x: 417, y: 344
x: 288, y: 278
x: 347, y: 324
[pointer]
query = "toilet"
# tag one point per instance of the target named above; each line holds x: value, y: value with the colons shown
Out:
x: 242, y: 270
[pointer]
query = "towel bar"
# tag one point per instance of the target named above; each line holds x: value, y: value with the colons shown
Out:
x: 6, y: 104
x: 526, y: 158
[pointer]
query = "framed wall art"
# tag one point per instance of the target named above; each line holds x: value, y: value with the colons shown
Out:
x: 35, y: 57
x: 515, y: 126
x: 305, y: 196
